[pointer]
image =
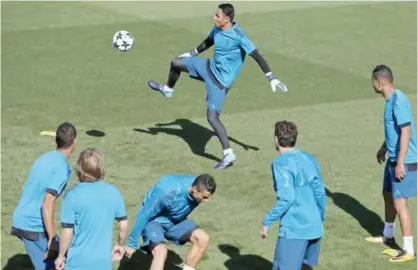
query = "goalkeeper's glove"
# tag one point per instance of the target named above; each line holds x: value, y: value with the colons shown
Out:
x: 274, y: 83
x: 192, y: 53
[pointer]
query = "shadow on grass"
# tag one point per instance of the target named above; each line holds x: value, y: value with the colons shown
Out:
x: 194, y: 134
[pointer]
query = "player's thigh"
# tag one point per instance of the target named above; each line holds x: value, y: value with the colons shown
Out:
x: 36, y: 250
x: 289, y: 254
x: 215, y: 97
x: 181, y: 233
x: 152, y: 236
x: 196, y: 67
x: 312, y: 252
x: 407, y: 187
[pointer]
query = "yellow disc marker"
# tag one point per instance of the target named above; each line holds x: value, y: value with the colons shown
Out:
x: 48, y: 133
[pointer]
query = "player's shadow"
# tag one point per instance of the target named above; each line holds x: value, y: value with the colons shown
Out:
x: 195, y: 135
x: 140, y: 260
x: 369, y: 220
x: 238, y: 261
x: 19, y: 262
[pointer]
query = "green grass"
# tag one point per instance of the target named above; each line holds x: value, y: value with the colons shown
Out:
x: 58, y: 65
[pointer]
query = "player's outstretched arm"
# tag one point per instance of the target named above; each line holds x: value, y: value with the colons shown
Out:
x: 261, y: 61
x: 206, y: 44
x: 285, y: 195
x: 157, y: 203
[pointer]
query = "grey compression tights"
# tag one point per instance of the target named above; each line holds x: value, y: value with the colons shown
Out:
x: 176, y: 67
x: 215, y: 122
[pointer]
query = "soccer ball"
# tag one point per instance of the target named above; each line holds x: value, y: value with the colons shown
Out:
x: 123, y: 41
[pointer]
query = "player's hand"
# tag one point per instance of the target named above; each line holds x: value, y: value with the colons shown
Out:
x: 129, y: 251
x: 117, y: 253
x: 400, y: 170
x: 59, y: 262
x: 275, y: 83
x: 263, y: 232
x: 51, y: 248
x: 381, y: 155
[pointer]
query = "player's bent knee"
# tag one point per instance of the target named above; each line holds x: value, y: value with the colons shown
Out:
x: 200, y: 238
x: 160, y: 250
x: 177, y: 64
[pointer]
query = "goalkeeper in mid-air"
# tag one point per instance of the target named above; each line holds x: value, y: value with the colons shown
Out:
x: 218, y: 72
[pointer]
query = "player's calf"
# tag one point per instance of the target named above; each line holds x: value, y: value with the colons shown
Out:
x: 200, y: 241
x: 159, y: 253
x: 177, y: 66
x: 406, y: 224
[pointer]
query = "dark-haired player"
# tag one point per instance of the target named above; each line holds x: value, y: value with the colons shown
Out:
x: 231, y: 45
x: 33, y: 218
x: 163, y: 215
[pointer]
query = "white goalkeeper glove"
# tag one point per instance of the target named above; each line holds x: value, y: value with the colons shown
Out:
x: 274, y: 83
x: 189, y: 54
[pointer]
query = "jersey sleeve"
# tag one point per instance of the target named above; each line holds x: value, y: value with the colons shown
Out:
x: 59, y: 180
x: 319, y: 191
x: 67, y: 211
x: 402, y: 111
x: 245, y: 43
x: 284, y: 185
x: 120, y: 213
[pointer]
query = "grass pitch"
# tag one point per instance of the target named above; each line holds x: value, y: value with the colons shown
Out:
x: 58, y: 65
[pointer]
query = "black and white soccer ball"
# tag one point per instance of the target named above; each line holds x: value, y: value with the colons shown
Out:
x: 123, y: 41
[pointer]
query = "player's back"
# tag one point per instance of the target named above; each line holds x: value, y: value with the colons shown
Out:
x: 28, y: 215
x: 173, y: 188
x: 95, y: 205
x: 398, y: 112
x: 304, y: 217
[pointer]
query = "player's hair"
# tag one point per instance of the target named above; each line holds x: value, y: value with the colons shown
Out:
x: 205, y: 182
x: 286, y: 133
x: 65, y: 135
x: 228, y: 10
x: 382, y: 71
x: 90, y: 166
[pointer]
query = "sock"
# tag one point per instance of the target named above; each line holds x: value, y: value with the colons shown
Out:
x: 389, y: 229
x: 186, y: 267
x: 228, y: 151
x: 408, y: 244
x: 167, y: 89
